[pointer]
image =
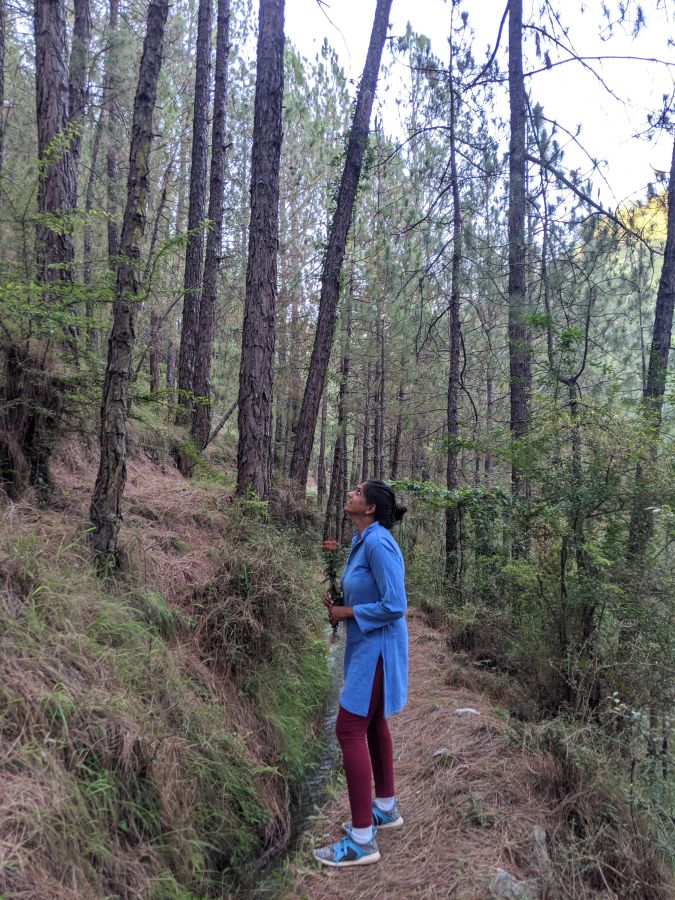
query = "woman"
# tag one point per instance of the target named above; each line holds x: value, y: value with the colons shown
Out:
x: 376, y: 671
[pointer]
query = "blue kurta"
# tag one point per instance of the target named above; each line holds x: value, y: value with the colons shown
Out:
x: 373, y: 585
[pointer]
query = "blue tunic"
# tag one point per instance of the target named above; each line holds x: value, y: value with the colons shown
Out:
x: 372, y: 583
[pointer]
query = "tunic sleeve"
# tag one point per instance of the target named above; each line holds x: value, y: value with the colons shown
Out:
x: 387, y: 567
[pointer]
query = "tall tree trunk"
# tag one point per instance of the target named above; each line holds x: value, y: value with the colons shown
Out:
x: 92, y: 332
x: 161, y: 206
x: 281, y: 441
x: 321, y: 465
x: 154, y: 352
x: 56, y: 185
x: 642, y: 517
x: 452, y: 549
x: 365, y: 459
x: 111, y: 106
x: 201, y: 414
x: 171, y: 372
x: 489, y: 418
x: 2, y: 89
x: 105, y: 512
x: 332, y: 266
x: 519, y: 338
x: 338, y: 481
x: 256, y: 373
x: 378, y: 431
x: 396, y: 444
x: 194, y: 250
x: 77, y: 82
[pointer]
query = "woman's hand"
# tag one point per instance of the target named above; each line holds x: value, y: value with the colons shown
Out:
x: 328, y: 600
x: 339, y: 613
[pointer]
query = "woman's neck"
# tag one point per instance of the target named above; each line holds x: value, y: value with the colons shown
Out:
x: 362, y: 524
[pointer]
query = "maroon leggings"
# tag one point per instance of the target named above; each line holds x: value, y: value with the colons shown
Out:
x: 359, y: 760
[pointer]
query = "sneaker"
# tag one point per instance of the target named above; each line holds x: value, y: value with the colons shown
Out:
x: 381, y: 819
x: 348, y: 852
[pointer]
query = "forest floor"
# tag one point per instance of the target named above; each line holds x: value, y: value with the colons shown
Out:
x: 469, y: 810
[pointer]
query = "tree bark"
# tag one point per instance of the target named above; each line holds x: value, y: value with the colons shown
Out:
x: 321, y: 466
x: 154, y: 352
x: 256, y: 373
x: 378, y: 429
x: 92, y: 333
x: 109, y: 101
x: 519, y: 337
x: 332, y: 266
x: 338, y: 481
x: 77, y: 81
x: 106, y: 512
x: 2, y: 89
x: 396, y: 444
x: 171, y: 372
x: 365, y: 458
x: 194, y: 250
x: 641, y: 525
x: 452, y: 549
x: 56, y: 184
x: 201, y: 414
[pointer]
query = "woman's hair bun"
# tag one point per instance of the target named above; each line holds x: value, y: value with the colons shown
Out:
x: 381, y: 495
x: 399, y: 512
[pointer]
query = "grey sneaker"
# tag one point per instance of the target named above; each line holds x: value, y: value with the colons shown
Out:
x: 348, y: 852
x: 381, y: 819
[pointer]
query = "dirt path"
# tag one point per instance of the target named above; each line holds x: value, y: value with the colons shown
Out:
x: 467, y: 811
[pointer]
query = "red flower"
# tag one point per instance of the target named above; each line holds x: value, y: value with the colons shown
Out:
x: 329, y: 545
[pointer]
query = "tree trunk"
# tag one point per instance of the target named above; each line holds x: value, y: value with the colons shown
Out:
x: 106, y: 512
x: 642, y: 517
x: 77, y: 82
x: 154, y: 352
x: 56, y: 185
x: 171, y: 372
x: 452, y: 549
x: 378, y: 431
x: 332, y: 266
x: 194, y: 250
x: 201, y: 414
x: 256, y: 373
x: 2, y: 89
x: 338, y: 481
x: 519, y: 337
x: 92, y: 333
x: 149, y: 262
x: 365, y: 459
x: 321, y: 466
x: 109, y: 101
x: 396, y: 444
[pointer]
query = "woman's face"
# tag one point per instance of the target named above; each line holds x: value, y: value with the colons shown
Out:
x: 356, y: 504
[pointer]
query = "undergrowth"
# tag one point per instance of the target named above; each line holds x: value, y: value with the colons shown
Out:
x: 149, y: 745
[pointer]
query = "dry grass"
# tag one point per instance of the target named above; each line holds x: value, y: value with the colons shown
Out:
x: 130, y: 764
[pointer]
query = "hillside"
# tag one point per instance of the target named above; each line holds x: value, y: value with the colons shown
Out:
x: 154, y: 726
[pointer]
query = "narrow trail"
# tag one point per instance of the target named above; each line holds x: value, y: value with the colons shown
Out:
x: 468, y: 811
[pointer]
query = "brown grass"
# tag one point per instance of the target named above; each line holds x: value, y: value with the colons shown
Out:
x: 67, y: 709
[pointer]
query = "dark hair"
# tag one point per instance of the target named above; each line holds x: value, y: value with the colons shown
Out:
x: 380, y: 495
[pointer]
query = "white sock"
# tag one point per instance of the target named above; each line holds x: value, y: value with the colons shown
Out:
x: 362, y: 835
x: 386, y: 804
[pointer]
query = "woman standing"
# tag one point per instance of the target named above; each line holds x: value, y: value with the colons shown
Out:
x: 376, y: 671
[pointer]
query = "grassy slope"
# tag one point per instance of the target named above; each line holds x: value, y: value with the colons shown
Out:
x: 151, y: 727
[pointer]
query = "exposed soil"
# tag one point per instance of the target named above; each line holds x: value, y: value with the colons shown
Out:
x: 468, y: 811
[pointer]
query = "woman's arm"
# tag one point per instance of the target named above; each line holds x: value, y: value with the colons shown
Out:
x: 387, y: 568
